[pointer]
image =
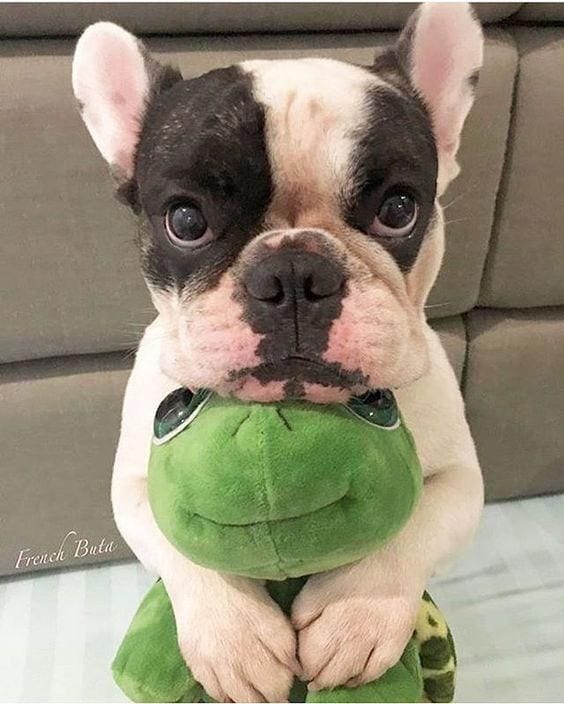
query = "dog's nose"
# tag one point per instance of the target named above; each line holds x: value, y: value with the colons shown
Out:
x: 295, y: 277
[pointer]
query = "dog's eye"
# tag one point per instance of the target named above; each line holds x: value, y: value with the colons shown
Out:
x: 396, y: 216
x: 186, y: 225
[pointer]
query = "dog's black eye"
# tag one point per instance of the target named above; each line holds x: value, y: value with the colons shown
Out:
x: 396, y: 216
x: 186, y: 225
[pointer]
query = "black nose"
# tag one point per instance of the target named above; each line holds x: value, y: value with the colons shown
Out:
x: 296, y: 278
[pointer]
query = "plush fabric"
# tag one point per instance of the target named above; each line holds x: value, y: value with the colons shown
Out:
x: 277, y: 492
x: 34, y: 19
x: 282, y: 490
x: 67, y: 467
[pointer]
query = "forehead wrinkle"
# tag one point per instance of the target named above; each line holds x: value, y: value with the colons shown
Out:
x: 312, y: 109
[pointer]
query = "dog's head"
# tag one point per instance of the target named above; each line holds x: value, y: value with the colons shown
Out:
x: 290, y: 230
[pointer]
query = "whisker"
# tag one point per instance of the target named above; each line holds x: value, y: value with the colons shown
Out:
x: 457, y: 220
x: 453, y: 201
x: 470, y: 188
x: 437, y: 305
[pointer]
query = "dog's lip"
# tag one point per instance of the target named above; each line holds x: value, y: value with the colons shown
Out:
x: 298, y: 360
x: 304, y: 360
x: 315, y: 371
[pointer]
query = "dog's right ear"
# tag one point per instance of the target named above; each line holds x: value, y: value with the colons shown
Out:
x: 440, y: 52
x: 114, y: 78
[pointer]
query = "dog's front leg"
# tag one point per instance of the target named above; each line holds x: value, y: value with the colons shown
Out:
x: 354, y: 622
x: 235, y: 639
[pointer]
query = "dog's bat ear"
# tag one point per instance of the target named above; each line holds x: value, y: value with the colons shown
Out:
x: 440, y: 51
x: 114, y: 78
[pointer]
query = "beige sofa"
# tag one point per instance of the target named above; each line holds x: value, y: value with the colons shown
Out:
x: 73, y: 302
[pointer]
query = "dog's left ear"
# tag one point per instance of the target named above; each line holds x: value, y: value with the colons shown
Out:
x: 441, y: 51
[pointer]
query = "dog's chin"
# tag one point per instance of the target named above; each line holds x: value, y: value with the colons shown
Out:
x: 273, y: 391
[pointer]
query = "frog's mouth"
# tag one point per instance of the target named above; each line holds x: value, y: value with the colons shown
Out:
x: 345, y: 499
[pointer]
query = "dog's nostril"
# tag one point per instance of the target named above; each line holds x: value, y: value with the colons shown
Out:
x: 276, y: 292
x: 318, y: 287
x: 263, y: 285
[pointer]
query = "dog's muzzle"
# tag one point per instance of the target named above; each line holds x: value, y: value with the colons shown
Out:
x: 293, y: 296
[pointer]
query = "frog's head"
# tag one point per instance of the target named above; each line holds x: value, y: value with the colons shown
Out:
x: 277, y: 490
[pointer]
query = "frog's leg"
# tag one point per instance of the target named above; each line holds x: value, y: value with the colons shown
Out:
x: 436, y: 651
x: 148, y: 666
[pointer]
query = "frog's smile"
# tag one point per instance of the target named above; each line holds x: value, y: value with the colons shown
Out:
x: 346, y: 497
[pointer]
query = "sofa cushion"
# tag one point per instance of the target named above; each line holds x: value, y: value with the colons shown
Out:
x: 453, y: 338
x: 59, y: 19
x: 60, y: 424
x: 71, y: 282
x: 514, y: 399
x: 471, y: 199
x: 547, y: 12
x: 526, y: 262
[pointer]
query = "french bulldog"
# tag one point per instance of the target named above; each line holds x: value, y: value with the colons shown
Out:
x: 290, y: 232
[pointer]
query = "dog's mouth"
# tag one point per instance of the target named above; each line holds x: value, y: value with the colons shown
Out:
x: 298, y: 372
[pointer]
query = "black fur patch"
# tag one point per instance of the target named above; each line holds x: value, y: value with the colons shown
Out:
x: 161, y: 78
x: 395, y: 149
x: 296, y: 371
x: 202, y: 141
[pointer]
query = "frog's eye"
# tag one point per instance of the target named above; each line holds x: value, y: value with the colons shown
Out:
x: 176, y: 412
x: 377, y: 408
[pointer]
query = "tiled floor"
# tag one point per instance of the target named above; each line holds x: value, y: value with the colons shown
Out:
x: 504, y: 600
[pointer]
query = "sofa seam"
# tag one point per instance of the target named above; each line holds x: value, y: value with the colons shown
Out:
x: 504, y: 175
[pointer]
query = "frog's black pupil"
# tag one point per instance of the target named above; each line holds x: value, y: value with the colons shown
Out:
x: 377, y: 407
x: 187, y: 222
x: 175, y: 409
x: 397, y: 211
x: 380, y: 399
x: 174, y: 406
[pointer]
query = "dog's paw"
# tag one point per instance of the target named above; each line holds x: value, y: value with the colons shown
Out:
x: 242, y: 650
x: 350, y: 637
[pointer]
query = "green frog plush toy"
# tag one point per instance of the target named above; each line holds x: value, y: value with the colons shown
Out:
x: 278, y: 492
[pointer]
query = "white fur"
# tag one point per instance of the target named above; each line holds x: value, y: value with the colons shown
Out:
x: 313, y: 106
x: 110, y: 81
x: 344, y: 606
